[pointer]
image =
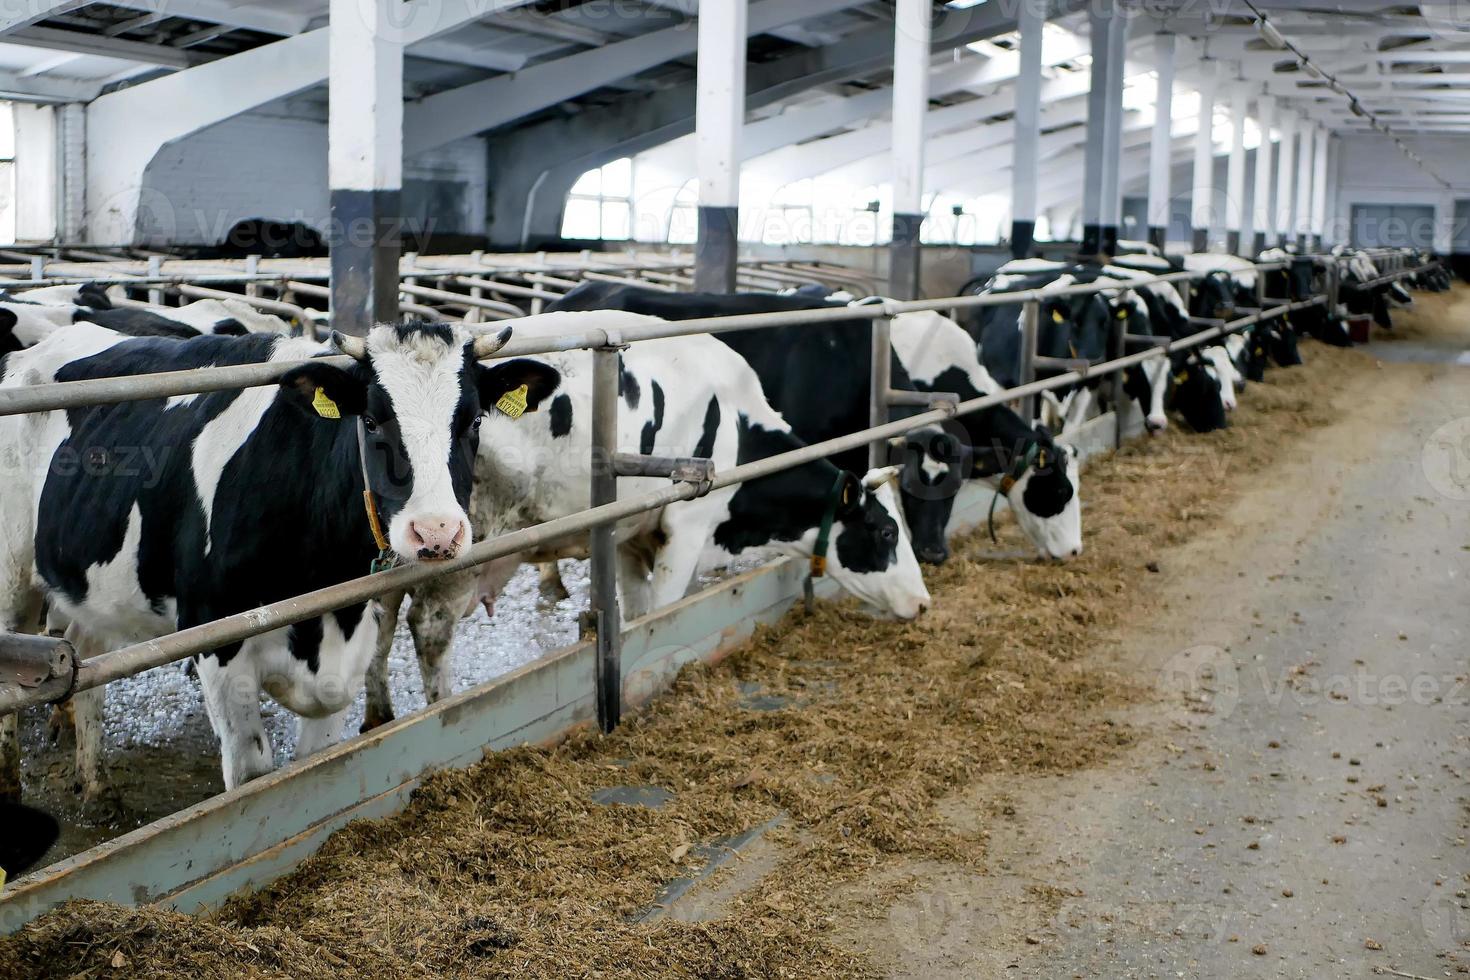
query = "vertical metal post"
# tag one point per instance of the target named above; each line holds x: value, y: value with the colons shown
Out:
x: 1030, y: 328
x: 1116, y: 329
x: 604, y: 564
x: 155, y: 269
x: 880, y: 380
x: 719, y: 118
x: 38, y: 267
x: 1026, y: 147
x: 252, y: 267
x: 1334, y: 286
x: 1099, y: 117
x: 910, y: 107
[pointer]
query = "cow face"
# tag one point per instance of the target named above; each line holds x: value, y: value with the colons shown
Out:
x: 933, y: 466
x: 1044, y: 499
x: 1220, y: 366
x: 1281, y: 342
x: 1214, y: 296
x: 1195, y: 393
x: 1148, y: 384
x: 871, y: 555
x: 414, y: 394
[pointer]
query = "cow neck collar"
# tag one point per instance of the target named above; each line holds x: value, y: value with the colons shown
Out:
x: 1034, y: 454
x: 824, y: 535
x: 386, y: 558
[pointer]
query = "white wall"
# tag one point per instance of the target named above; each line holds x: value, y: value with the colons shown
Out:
x: 35, y: 173
x: 272, y: 163
x: 1373, y: 170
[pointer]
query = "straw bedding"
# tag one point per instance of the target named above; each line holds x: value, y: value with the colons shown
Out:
x: 508, y: 869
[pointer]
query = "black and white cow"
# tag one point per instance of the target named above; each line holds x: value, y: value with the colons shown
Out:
x: 1358, y: 271
x: 1078, y: 327
x: 138, y: 519
x: 34, y: 321
x: 686, y: 396
x: 817, y: 376
x: 1297, y: 282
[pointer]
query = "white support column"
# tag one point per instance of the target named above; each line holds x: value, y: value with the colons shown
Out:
x: 1159, y: 167
x: 1286, y: 179
x: 1103, y: 17
x: 1260, y: 226
x: 1319, y: 187
x: 1031, y: 19
x: 719, y: 116
x: 1201, y: 206
x: 1112, y: 198
x: 365, y: 162
x: 1235, y: 174
x: 1334, y: 231
x: 910, y: 107
x: 35, y: 209
x: 1303, y: 211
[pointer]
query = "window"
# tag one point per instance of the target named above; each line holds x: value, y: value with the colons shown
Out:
x: 684, y: 215
x: 600, y: 204
x: 788, y: 218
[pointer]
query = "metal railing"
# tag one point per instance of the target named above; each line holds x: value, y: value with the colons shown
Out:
x: 69, y: 676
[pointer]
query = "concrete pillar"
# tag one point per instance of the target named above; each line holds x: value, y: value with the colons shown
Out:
x: 1025, y: 158
x: 1103, y: 17
x: 910, y: 107
x: 719, y: 116
x: 1319, y: 187
x: 1261, y: 205
x: 1159, y: 164
x: 1286, y: 179
x: 1112, y: 197
x: 1201, y: 205
x: 365, y: 162
x: 1235, y: 174
x: 1303, y: 210
x: 35, y: 207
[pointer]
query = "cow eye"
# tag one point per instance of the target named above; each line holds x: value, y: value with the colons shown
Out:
x: 475, y: 425
x: 889, y: 535
x: 369, y: 423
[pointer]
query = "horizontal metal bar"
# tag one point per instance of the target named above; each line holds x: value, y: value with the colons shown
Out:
x: 1145, y: 338
x: 36, y: 669
x: 901, y: 396
x: 693, y: 469
x: 1063, y: 363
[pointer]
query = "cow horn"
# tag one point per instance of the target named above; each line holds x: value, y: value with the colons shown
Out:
x: 487, y: 344
x: 353, y: 347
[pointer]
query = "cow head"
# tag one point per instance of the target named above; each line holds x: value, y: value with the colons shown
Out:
x: 1222, y: 368
x: 1039, y: 479
x: 1215, y: 296
x: 1281, y: 343
x: 1195, y: 392
x: 934, y: 463
x: 415, y: 392
x: 1148, y: 384
x: 870, y: 553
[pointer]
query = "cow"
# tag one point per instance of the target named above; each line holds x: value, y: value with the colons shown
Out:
x: 1358, y: 271
x: 35, y: 321
x: 1078, y: 327
x: 150, y: 516
x: 685, y: 396
x: 1296, y: 283
x: 817, y: 376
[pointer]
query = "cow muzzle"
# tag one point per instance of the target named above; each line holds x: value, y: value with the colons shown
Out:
x: 437, y: 538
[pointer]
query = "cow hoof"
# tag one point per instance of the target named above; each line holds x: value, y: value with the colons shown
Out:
x: 587, y: 623
x: 103, y: 805
x: 62, y: 717
x: 373, y: 719
x: 554, y: 591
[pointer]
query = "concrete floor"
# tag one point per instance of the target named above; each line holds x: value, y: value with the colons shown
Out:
x: 1303, y: 808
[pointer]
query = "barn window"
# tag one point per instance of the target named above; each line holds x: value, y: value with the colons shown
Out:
x: 600, y: 204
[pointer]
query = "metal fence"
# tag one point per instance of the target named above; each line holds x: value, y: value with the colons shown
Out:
x: 47, y: 670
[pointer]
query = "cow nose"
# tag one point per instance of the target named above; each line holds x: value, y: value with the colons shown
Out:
x: 437, y: 538
x: 933, y: 555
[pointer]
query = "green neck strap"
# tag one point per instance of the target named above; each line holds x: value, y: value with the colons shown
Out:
x: 1022, y: 464
x: 824, y: 532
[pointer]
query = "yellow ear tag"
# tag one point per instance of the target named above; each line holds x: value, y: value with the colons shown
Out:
x: 324, y: 406
x: 513, y: 403
x: 1056, y: 317
x: 1121, y: 314
x: 1181, y: 377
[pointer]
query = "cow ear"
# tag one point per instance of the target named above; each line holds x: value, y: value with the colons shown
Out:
x: 326, y: 391
x: 851, y: 500
x: 495, y: 381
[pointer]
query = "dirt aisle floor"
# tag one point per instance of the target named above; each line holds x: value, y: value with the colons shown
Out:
x: 1228, y: 741
x: 1301, y: 806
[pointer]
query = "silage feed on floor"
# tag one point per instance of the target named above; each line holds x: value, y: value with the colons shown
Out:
x: 507, y: 869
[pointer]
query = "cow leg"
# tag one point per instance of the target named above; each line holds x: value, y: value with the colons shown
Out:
x: 99, y: 796
x: 677, y: 559
x: 636, y: 593
x: 10, y: 789
x: 315, y: 734
x: 551, y: 585
x: 432, y: 622
x: 232, y: 698
x: 1077, y: 410
x: 378, y: 703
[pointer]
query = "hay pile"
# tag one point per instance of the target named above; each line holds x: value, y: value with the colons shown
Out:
x: 507, y: 869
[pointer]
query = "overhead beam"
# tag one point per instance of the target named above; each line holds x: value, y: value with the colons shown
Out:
x: 22, y: 15
x: 474, y: 108
x: 77, y: 42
